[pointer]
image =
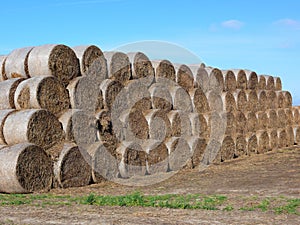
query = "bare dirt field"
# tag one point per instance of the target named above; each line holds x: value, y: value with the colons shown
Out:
x: 243, y: 181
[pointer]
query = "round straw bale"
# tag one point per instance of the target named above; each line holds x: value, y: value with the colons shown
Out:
x: 273, y: 137
x: 290, y: 136
x: 217, y: 126
x: 142, y: 68
x: 16, y: 64
x: 241, y: 100
x: 263, y: 141
x: 200, y: 125
x: 42, y: 93
x: 296, y: 130
x: 262, y: 83
x: 181, y: 99
x: 262, y: 100
x: 228, y: 100
x: 197, y: 146
x: 227, y: 148
x: 252, y: 121
x: 92, y: 62
x: 262, y: 120
x: 252, y: 143
x: 289, y: 116
x: 159, y: 124
x: 133, y: 160
x: 252, y: 99
x: 118, y: 66
x: 282, y: 138
x: 272, y: 99
x: 252, y: 79
x: 280, y: 99
x: 36, y: 126
x: 8, y: 89
x: 214, y: 101
x: 2, y: 67
x: 184, y: 77
x: 296, y: 116
x: 216, y: 80
x: 160, y: 97
x: 138, y: 96
x: 241, y: 123
x: 272, y: 119
x: 229, y: 80
x: 201, y: 77
x: 199, y: 101
x: 110, y: 90
x: 281, y: 118
x: 157, y: 156
x: 79, y: 126
x: 212, y: 153
x: 104, y: 163
x: 135, y: 126
x: 228, y: 119
x: 25, y: 168
x: 3, y: 115
x: 240, y: 145
x: 180, y: 123
x: 164, y: 72
x: 179, y: 153
x: 288, y: 99
x: 72, y: 169
x: 278, y: 84
x: 270, y: 84
x: 241, y: 79
x: 57, y: 60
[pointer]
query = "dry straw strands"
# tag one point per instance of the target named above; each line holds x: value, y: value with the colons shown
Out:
x: 184, y: 77
x: 241, y: 100
x: 252, y: 121
x: 2, y: 67
x: 278, y: 84
x: 262, y: 100
x: 180, y: 123
x: 133, y: 159
x: 164, y: 72
x: 296, y: 116
x: 71, y: 168
x: 272, y: 100
x: 25, y: 168
x: 161, y: 97
x: 228, y: 119
x: 282, y: 138
x: 79, y: 126
x: 216, y: 80
x: 200, y: 125
x: 252, y: 99
x: 229, y: 103
x: 105, y: 131
x: 262, y: 84
x: 214, y: 101
x: 289, y: 116
x: 262, y: 120
x: 229, y: 80
x: 179, y: 153
x: 201, y: 77
x: 199, y: 101
x: 240, y: 145
x: 263, y: 141
x: 212, y: 153
x: 281, y: 118
x: 270, y: 85
x: 273, y: 137
x: 42, y: 93
x: 241, y: 123
x: 16, y: 64
x: 272, y: 119
x: 280, y: 99
x: 141, y: 68
x: 288, y: 100
x: 290, y: 136
x: 110, y: 90
x: 241, y: 79
x: 104, y: 164
x: 36, y: 126
x: 92, y: 62
x: 227, y: 148
x: 252, y: 143
x: 57, y: 60
x: 252, y: 79
x: 8, y: 89
x: 157, y: 156
x: 181, y: 99
x: 119, y: 67
x: 3, y: 115
x: 197, y: 146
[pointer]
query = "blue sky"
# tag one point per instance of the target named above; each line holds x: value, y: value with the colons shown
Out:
x: 260, y: 35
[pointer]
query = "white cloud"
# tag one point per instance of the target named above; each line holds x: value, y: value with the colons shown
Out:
x: 288, y: 23
x: 232, y: 24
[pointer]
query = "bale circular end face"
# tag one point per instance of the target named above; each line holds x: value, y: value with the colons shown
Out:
x: 262, y: 120
x: 227, y: 149
x: 141, y: 68
x: 197, y: 146
x: 35, y: 126
x: 281, y: 118
x: 282, y: 138
x: 25, y: 168
x: 241, y: 100
x: 92, y: 62
x: 240, y: 145
x: 241, y: 123
x: 3, y: 115
x: 201, y: 77
x: 229, y: 121
x: 216, y: 80
x: 229, y: 102
x: 252, y: 122
x: 252, y: 99
x: 280, y: 99
x: 270, y: 84
x: 164, y: 71
x: 181, y: 99
x: 252, y: 80
x: 229, y: 80
x: 296, y: 116
x: 110, y: 90
x: 290, y: 136
x: 180, y: 124
x: 278, y: 84
x: 272, y: 100
x: 161, y: 97
x: 262, y: 84
x: 215, y: 101
x: 199, y: 101
x: 288, y: 99
x: 16, y: 64
x: 262, y: 100
x: 8, y: 89
x: 2, y: 67
x: 119, y: 67
x: 184, y: 77
x: 272, y: 119
x: 252, y: 143
x: 200, y: 125
x: 42, y: 93
x: 273, y: 137
x: 72, y: 169
x: 241, y: 79
x: 263, y: 141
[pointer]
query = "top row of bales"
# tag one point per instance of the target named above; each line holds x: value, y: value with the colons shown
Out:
x: 68, y: 63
